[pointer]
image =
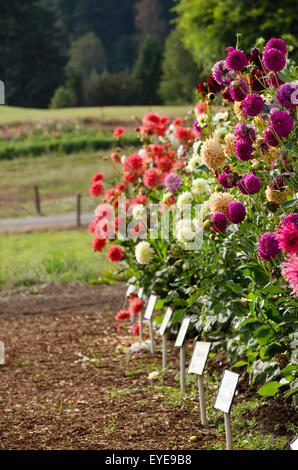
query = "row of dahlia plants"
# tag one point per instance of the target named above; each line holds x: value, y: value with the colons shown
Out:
x: 205, y: 214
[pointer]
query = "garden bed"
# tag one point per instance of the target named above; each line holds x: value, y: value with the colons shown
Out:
x: 69, y: 383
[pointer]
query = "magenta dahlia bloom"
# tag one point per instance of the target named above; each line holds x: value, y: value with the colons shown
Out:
x: 250, y: 184
x: 277, y: 43
x: 236, y: 212
x: 252, y: 105
x: 228, y: 180
x: 244, y: 149
x: 287, y: 235
x: 287, y: 95
x: 238, y: 90
x: 273, y: 59
x: 277, y: 184
x: 236, y: 60
x: 270, y: 138
x: 221, y: 74
x: 291, y: 218
x: 282, y: 123
x: 268, y: 246
x: 218, y: 222
x: 290, y: 272
x: 172, y: 182
x: 244, y: 130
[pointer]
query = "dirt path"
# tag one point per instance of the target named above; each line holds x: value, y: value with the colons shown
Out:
x: 68, y: 383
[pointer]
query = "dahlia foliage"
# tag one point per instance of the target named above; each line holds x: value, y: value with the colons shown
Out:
x: 205, y: 215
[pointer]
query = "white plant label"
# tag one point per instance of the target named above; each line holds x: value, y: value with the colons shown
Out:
x: 2, y: 353
x: 150, y: 307
x: 199, y: 358
x: 294, y: 444
x: 182, y: 332
x: 226, y: 391
x: 140, y: 292
x: 165, y: 321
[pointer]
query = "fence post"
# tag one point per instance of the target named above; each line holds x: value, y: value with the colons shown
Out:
x: 78, y: 210
x: 37, y: 200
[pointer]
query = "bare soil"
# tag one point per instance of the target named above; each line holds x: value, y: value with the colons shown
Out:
x: 68, y: 384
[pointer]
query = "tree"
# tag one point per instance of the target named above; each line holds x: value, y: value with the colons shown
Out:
x: 209, y: 26
x: 147, y: 70
x: 31, y: 62
x: 148, y: 20
x: 180, y: 73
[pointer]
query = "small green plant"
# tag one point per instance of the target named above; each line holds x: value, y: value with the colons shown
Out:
x: 110, y: 428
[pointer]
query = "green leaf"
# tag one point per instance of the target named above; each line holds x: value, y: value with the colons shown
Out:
x: 240, y: 364
x: 263, y: 334
x: 269, y: 389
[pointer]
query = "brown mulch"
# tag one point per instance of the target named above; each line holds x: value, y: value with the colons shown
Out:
x: 68, y: 382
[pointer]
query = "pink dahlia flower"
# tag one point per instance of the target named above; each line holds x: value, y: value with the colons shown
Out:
x: 287, y: 235
x: 290, y: 272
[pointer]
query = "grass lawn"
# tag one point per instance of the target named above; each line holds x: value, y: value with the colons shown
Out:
x: 64, y: 256
x: 59, y: 178
x: 11, y: 114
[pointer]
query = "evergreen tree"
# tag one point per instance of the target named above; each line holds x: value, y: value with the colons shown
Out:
x: 148, y: 70
x: 180, y: 74
x: 31, y: 63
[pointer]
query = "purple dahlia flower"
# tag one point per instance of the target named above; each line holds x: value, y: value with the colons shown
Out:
x: 291, y: 218
x: 252, y: 105
x: 273, y: 59
x: 218, y: 222
x: 243, y: 149
x: 221, y: 73
x: 287, y: 95
x: 268, y: 246
x: 236, y: 212
x: 277, y: 43
x: 236, y: 60
x: 250, y: 184
x: 238, y: 90
x: 270, y: 138
x: 172, y: 182
x: 281, y: 123
x: 244, y: 130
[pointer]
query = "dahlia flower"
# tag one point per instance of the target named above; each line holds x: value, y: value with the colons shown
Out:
x: 268, y: 246
x: 236, y: 60
x: 143, y: 252
x: 151, y: 178
x: 287, y: 95
x: 122, y: 315
x: 98, y: 244
x: 249, y: 184
x: 290, y: 272
x: 218, y: 202
x: 273, y: 59
x: 281, y: 123
x: 252, y: 105
x: 221, y: 73
x: 172, y: 182
x: 236, y: 212
x: 218, y: 222
x: 96, y: 189
x: 194, y: 163
x: 238, y: 90
x: 243, y: 149
x: 136, y: 306
x: 184, y: 199
x: 115, y: 253
x: 200, y: 186
x: 212, y: 153
x: 277, y: 43
x: 287, y: 235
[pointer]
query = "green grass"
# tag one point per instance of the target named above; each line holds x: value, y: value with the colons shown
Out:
x: 58, y: 177
x: 10, y: 114
x: 37, y: 258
